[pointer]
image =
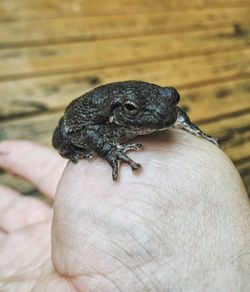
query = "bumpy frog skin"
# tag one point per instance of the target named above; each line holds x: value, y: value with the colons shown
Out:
x: 102, y: 122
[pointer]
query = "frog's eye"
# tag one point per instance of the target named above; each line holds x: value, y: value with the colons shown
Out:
x: 130, y: 107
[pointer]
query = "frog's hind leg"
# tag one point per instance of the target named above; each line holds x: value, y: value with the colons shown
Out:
x: 79, y: 153
x: 73, y: 153
x: 183, y: 122
x: 66, y: 149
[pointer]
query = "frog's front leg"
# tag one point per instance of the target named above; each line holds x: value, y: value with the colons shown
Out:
x: 117, y: 154
x: 183, y: 122
x: 113, y: 153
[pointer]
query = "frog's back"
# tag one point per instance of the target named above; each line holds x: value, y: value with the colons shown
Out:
x: 86, y: 109
x: 83, y: 110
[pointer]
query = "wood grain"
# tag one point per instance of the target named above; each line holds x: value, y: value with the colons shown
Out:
x: 39, y: 95
x: 74, y: 29
x: 72, y: 57
x: 12, y: 9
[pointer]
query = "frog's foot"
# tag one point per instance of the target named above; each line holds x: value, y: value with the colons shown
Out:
x: 183, y: 122
x: 117, y: 154
x: 80, y: 154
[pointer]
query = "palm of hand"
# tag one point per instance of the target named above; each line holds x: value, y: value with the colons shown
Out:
x: 108, y: 236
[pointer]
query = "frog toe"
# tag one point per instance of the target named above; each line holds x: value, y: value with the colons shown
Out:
x: 116, y: 156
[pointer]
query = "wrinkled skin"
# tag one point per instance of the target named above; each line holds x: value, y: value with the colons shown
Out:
x: 181, y: 225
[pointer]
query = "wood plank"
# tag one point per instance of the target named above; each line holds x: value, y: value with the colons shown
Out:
x: 233, y: 133
x: 39, y: 95
x: 44, y: 31
x: 214, y: 102
x: 72, y: 57
x: 57, y: 8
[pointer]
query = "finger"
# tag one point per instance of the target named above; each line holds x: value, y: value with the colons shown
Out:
x: 5, y: 201
x: 17, y: 211
x: 38, y: 164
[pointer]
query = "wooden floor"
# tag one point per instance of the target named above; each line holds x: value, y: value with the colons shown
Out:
x: 52, y: 51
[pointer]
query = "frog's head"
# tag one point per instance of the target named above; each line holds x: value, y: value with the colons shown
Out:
x: 143, y: 107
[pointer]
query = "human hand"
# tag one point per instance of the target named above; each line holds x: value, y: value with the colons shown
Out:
x: 181, y: 224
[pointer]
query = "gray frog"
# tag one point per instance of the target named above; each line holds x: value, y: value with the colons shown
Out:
x: 103, y: 120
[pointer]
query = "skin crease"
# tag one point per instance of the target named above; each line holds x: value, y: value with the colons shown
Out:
x: 182, y: 224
